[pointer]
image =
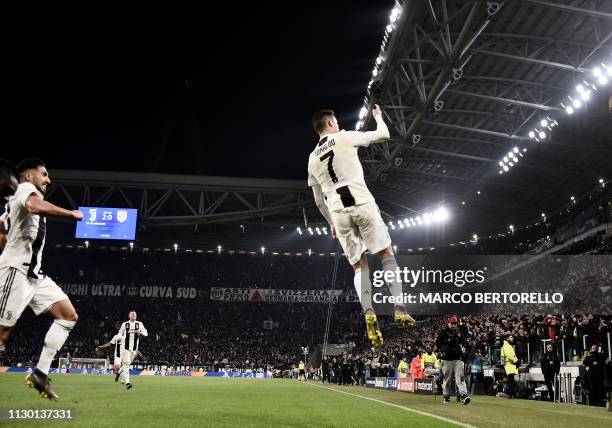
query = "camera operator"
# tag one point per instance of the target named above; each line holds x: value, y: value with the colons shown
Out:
x: 595, y: 363
x: 451, y: 342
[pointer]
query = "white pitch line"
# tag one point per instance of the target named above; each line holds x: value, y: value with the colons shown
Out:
x: 408, y: 409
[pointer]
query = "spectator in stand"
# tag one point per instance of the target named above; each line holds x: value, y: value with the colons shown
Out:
x: 550, y: 368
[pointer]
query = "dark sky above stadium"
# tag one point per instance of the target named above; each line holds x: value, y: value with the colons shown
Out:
x: 178, y: 88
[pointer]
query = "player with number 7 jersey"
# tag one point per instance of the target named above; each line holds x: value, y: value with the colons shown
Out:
x: 341, y: 194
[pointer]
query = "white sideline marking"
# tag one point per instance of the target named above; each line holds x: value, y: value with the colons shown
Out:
x: 408, y: 409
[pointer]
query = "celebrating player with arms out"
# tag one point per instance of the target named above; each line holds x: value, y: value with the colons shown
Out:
x: 130, y: 333
x: 117, y: 341
x: 23, y: 228
x: 336, y: 177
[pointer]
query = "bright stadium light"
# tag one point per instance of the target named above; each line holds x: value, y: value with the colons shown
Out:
x: 506, y: 168
x: 478, y: 192
x: 379, y: 60
x: 585, y: 95
x: 515, y: 150
x: 569, y: 110
x: 311, y: 231
x: 442, y: 214
x: 576, y: 102
x: 309, y: 252
x: 263, y: 250
x: 501, y: 172
x: 501, y: 163
x: 219, y: 249
x: 531, y: 135
x: 544, y: 122
x: 375, y: 72
x: 515, y: 159
x: 542, y: 135
x: 299, y: 230
x: 87, y: 244
x: 597, y: 72
x: 324, y: 231
x: 318, y: 230
x: 579, y: 88
x: 418, y: 220
x: 505, y: 158
x: 363, y: 112
x: 391, y: 225
x: 427, y: 219
x: 603, y: 80
x: 389, y: 28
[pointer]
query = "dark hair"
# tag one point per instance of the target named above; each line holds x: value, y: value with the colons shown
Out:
x: 320, y: 118
x: 29, y: 163
x: 7, y: 169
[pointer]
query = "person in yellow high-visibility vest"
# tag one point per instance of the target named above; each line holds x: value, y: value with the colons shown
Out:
x: 429, y: 362
x: 510, y: 361
x: 403, y: 368
x: 302, y: 371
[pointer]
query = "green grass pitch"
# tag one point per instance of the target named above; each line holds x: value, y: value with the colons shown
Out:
x: 97, y: 400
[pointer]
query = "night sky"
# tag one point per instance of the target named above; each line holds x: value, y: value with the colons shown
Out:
x: 183, y: 89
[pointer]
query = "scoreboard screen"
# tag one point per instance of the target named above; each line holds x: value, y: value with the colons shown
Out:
x: 107, y: 223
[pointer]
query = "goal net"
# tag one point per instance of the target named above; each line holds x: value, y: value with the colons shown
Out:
x: 84, y: 363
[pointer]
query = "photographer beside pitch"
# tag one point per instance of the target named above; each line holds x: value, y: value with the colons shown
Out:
x: 451, y: 342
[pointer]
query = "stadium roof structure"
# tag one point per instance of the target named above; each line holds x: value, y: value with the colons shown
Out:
x: 462, y: 83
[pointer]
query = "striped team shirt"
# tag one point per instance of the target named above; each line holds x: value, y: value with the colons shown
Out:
x: 129, y: 334
x: 117, y: 340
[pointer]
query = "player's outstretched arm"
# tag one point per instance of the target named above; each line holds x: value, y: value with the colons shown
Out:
x: 381, y: 134
x: 3, y: 237
x: 106, y: 345
x: 37, y: 205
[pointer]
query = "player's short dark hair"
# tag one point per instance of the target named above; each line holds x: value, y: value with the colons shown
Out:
x: 320, y: 118
x: 29, y: 163
x: 7, y: 169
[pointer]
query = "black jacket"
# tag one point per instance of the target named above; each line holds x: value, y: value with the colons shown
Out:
x: 595, y: 365
x: 550, y: 363
x: 451, y: 343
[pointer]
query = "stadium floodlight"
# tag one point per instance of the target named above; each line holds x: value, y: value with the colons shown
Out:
x: 601, y: 180
x: 478, y: 192
x: 299, y: 230
x: 358, y: 125
x: 462, y: 202
x: 524, y: 150
x: 585, y: 95
x: 542, y: 135
x: 87, y: 244
x: 510, y: 163
x: 572, y: 199
x: 219, y: 249
x: 531, y: 135
x: 418, y: 220
x: 511, y: 227
x: 579, y: 88
x: 389, y: 28
x: 515, y: 150
x: 506, y: 168
x: 363, y: 112
x: 318, y: 230
x: 379, y: 60
x: 510, y: 154
x: 412, y: 221
x: 400, y: 224
x: 263, y: 250
x: 603, y: 80
x: 515, y: 159
x: 569, y: 110
x: 391, y: 225
x: 427, y: 219
x: 501, y: 163
x: 375, y: 72
x: 324, y: 230
x: 442, y: 214
x: 505, y: 158
x: 576, y: 102
x: 597, y: 72
x: 309, y: 252
x: 501, y: 172
x: 311, y: 231
x: 394, y: 248
x: 544, y: 122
